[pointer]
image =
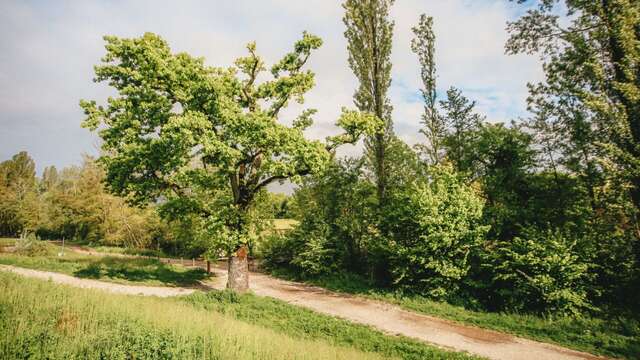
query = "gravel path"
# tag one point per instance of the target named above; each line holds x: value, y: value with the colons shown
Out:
x: 388, y: 318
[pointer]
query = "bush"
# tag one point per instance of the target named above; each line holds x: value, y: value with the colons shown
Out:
x: 433, y: 227
x: 541, y: 272
x: 305, y: 250
x: 315, y: 256
x: 30, y: 245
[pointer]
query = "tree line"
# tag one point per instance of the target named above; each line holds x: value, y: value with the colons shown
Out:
x: 536, y: 215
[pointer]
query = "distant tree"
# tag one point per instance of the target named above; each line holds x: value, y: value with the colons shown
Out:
x: 433, y: 126
x: 50, y: 178
x: 204, y: 141
x: 19, y: 210
x: 459, y: 120
x: 369, y: 34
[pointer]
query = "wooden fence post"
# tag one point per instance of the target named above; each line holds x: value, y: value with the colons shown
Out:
x: 208, y: 267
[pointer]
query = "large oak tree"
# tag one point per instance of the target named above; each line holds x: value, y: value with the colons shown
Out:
x: 203, y: 140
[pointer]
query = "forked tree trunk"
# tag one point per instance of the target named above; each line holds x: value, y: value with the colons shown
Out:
x: 238, y: 271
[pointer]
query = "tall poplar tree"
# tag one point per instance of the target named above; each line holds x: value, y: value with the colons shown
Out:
x: 460, y: 121
x: 423, y: 45
x: 369, y: 32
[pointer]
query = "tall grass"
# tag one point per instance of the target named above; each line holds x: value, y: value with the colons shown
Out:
x: 41, y: 320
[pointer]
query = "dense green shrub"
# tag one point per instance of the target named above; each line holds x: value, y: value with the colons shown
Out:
x: 433, y: 227
x: 305, y: 250
x: 541, y: 271
x: 337, y: 229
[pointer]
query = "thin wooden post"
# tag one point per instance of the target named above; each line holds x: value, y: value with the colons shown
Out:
x: 208, y: 267
x: 193, y: 262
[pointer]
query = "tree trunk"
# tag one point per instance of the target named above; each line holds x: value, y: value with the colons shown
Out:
x: 238, y: 271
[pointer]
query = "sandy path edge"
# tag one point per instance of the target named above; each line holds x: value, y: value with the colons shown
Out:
x: 386, y: 317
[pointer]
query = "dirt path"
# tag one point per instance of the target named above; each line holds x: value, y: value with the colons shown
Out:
x: 160, y: 291
x: 386, y: 317
x: 394, y: 320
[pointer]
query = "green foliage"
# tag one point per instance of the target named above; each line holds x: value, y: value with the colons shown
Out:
x: 19, y: 208
x: 434, y: 226
x: 588, y: 103
x: 28, y: 244
x: 336, y: 211
x: 206, y: 140
x: 315, y: 256
x: 501, y: 158
x: 272, y: 205
x: 460, y: 121
x: 423, y: 44
x: 369, y: 34
x: 76, y: 206
x: 541, y: 271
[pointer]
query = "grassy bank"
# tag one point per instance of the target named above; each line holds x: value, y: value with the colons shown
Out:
x: 306, y: 324
x: 616, y: 337
x: 142, y: 271
x: 78, y: 323
x: 43, y: 320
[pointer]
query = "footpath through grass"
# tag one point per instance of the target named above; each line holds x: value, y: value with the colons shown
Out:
x: 615, y: 337
x: 306, y: 324
x: 123, y: 270
x: 39, y: 319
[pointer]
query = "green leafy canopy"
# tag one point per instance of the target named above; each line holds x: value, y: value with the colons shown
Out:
x: 202, y: 139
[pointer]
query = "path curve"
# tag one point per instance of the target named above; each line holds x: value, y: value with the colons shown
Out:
x: 386, y: 317
x: 160, y: 291
x: 393, y: 320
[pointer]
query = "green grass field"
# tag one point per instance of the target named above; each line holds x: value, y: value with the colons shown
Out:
x: 43, y: 320
x: 39, y: 319
x: 616, y: 337
x: 142, y: 271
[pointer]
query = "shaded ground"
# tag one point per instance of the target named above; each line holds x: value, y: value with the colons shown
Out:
x: 110, y: 267
x: 160, y: 291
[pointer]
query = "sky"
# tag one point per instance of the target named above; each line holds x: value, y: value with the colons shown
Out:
x: 48, y: 50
